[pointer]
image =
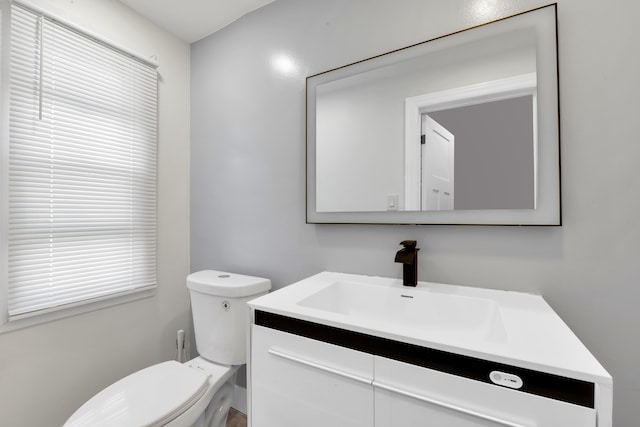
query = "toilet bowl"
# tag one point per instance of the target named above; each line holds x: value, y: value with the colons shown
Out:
x: 199, y: 392
x: 168, y: 394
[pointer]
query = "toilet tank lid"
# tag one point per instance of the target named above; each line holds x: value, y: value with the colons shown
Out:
x: 225, y: 284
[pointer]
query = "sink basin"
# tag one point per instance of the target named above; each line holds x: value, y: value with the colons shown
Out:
x: 415, y: 308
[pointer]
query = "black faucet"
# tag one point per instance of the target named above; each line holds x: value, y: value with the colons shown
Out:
x: 408, y: 256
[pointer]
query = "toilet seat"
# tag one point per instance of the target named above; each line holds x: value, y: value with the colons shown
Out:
x: 151, y: 397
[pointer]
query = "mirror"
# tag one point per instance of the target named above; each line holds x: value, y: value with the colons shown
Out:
x: 461, y: 129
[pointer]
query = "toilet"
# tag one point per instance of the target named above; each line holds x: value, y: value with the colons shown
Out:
x: 197, y: 393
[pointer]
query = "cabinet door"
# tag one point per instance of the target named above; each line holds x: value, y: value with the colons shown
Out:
x: 298, y: 382
x: 408, y: 395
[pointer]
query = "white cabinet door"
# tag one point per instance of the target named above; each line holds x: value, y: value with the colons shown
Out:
x: 408, y: 395
x: 298, y: 382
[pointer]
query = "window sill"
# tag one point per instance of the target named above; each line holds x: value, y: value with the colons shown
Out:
x: 7, y: 325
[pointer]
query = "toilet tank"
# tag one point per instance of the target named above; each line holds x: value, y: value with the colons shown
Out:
x: 221, y: 315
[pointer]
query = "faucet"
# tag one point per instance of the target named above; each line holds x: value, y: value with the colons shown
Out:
x: 408, y: 256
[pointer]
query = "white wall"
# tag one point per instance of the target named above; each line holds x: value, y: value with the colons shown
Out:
x: 47, y: 371
x: 248, y: 174
x: 360, y: 126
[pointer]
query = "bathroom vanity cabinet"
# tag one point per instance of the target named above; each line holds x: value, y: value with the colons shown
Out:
x: 300, y: 381
x: 296, y: 381
x: 315, y: 369
x: 406, y: 395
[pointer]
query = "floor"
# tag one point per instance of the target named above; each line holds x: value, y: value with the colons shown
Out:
x: 236, y: 419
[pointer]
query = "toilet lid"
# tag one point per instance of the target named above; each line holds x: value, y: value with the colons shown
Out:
x: 151, y: 397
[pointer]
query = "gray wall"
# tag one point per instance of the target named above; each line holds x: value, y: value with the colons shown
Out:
x: 493, y: 153
x: 247, y: 166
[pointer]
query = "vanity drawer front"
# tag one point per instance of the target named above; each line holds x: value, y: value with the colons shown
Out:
x: 409, y: 395
x: 296, y: 379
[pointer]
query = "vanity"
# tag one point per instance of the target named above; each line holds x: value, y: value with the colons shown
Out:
x: 353, y: 351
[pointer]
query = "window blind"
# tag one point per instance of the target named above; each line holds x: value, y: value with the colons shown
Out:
x: 82, y: 169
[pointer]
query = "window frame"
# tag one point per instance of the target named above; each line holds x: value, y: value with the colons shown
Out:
x: 81, y: 306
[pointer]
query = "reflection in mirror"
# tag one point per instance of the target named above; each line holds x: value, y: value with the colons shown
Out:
x: 493, y: 153
x: 478, y: 153
x: 360, y: 122
x: 447, y: 131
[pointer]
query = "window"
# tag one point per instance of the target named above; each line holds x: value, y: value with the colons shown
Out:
x: 80, y: 196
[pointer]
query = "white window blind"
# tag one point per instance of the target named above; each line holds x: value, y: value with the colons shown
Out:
x: 82, y: 169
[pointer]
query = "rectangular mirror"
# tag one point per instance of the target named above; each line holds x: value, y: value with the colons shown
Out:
x: 461, y: 129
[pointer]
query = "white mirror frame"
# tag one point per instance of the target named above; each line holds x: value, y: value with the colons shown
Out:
x: 547, y: 156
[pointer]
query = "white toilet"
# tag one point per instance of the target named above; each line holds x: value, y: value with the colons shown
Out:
x: 197, y: 393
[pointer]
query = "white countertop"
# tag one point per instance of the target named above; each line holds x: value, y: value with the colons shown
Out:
x: 531, y: 335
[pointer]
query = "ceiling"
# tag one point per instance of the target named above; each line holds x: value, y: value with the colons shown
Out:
x: 191, y: 20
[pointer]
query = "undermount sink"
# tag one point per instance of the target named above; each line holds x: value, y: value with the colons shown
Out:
x: 413, y: 308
